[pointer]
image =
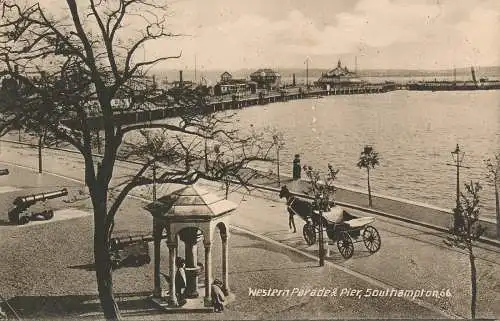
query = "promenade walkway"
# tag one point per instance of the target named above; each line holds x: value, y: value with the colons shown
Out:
x: 47, y: 270
x: 410, y: 258
x: 404, y: 209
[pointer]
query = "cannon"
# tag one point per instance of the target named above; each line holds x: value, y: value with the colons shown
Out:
x: 4, y: 172
x: 21, y: 216
x: 131, y: 250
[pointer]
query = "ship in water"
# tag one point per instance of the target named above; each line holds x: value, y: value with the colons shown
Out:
x: 446, y: 85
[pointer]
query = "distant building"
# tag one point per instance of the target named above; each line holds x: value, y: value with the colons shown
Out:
x: 226, y: 77
x: 227, y: 86
x: 339, y: 77
x: 266, y: 78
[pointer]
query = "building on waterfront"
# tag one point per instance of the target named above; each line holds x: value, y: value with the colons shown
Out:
x: 231, y: 86
x: 266, y: 79
x: 339, y: 77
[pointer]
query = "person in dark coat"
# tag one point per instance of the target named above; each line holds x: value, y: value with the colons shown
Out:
x: 218, y: 296
x: 180, y: 280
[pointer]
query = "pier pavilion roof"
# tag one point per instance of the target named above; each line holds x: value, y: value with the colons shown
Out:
x: 339, y: 71
x: 339, y: 75
x: 265, y: 72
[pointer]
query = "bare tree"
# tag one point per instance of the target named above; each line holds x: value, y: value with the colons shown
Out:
x: 71, y: 75
x: 467, y: 232
x: 493, y: 176
x: 368, y: 159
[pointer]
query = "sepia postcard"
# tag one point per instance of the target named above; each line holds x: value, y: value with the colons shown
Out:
x: 249, y: 160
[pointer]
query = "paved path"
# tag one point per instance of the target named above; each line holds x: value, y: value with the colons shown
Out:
x: 410, y: 258
x: 47, y: 272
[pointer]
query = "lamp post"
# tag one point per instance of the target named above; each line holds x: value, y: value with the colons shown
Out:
x: 458, y: 157
x: 154, y: 181
x: 319, y: 205
x: 307, y: 72
x: 277, y: 142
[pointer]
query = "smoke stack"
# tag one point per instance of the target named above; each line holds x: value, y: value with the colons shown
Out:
x: 180, y: 77
x: 293, y: 80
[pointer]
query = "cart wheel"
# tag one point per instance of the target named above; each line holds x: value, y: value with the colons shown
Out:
x: 49, y: 214
x: 23, y: 220
x: 371, y: 238
x: 115, y: 264
x: 309, y: 233
x: 345, y: 245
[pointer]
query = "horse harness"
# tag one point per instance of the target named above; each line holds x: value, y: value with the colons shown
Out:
x: 289, y: 206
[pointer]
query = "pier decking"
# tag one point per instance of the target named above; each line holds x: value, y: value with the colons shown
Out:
x: 220, y: 103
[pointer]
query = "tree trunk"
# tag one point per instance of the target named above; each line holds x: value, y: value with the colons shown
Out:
x: 278, y: 165
x: 473, y: 283
x: 103, y: 263
x: 99, y: 148
x: 40, y: 140
x: 369, y: 189
x: 497, y: 208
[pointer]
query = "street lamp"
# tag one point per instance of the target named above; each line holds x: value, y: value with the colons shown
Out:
x: 277, y: 141
x: 319, y: 209
x: 458, y: 157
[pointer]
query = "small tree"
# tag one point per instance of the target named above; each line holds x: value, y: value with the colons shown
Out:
x: 493, y: 176
x: 322, y: 187
x: 368, y: 159
x: 279, y: 142
x: 323, y: 191
x: 469, y: 231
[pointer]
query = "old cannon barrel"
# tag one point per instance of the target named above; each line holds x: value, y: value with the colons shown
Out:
x: 32, y: 199
x: 4, y: 172
x: 126, y: 240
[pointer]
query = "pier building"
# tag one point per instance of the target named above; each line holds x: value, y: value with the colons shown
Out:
x: 339, y: 77
x: 266, y: 79
x: 229, y: 85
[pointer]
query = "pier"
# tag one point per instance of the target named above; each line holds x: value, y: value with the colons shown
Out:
x: 227, y: 102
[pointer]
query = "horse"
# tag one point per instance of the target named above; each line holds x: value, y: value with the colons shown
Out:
x: 296, y: 206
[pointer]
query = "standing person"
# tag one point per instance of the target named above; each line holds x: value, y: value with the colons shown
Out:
x: 180, y: 280
x: 217, y: 296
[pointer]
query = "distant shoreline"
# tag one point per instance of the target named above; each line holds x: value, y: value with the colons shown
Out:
x: 316, y: 72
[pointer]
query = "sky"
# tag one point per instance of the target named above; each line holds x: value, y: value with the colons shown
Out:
x: 407, y: 34
x: 378, y: 34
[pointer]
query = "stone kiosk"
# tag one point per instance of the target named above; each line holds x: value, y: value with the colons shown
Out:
x: 190, y: 214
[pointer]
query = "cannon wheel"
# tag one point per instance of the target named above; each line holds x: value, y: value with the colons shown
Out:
x: 345, y: 245
x: 23, y: 220
x: 309, y: 233
x: 371, y: 238
x: 49, y: 214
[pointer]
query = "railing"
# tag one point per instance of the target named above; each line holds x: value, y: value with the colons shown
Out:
x: 372, y: 211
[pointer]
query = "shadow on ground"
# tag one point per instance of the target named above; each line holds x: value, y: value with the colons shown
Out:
x: 77, y: 306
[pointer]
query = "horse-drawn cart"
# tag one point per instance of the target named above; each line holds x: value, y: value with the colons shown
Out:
x: 341, y: 227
